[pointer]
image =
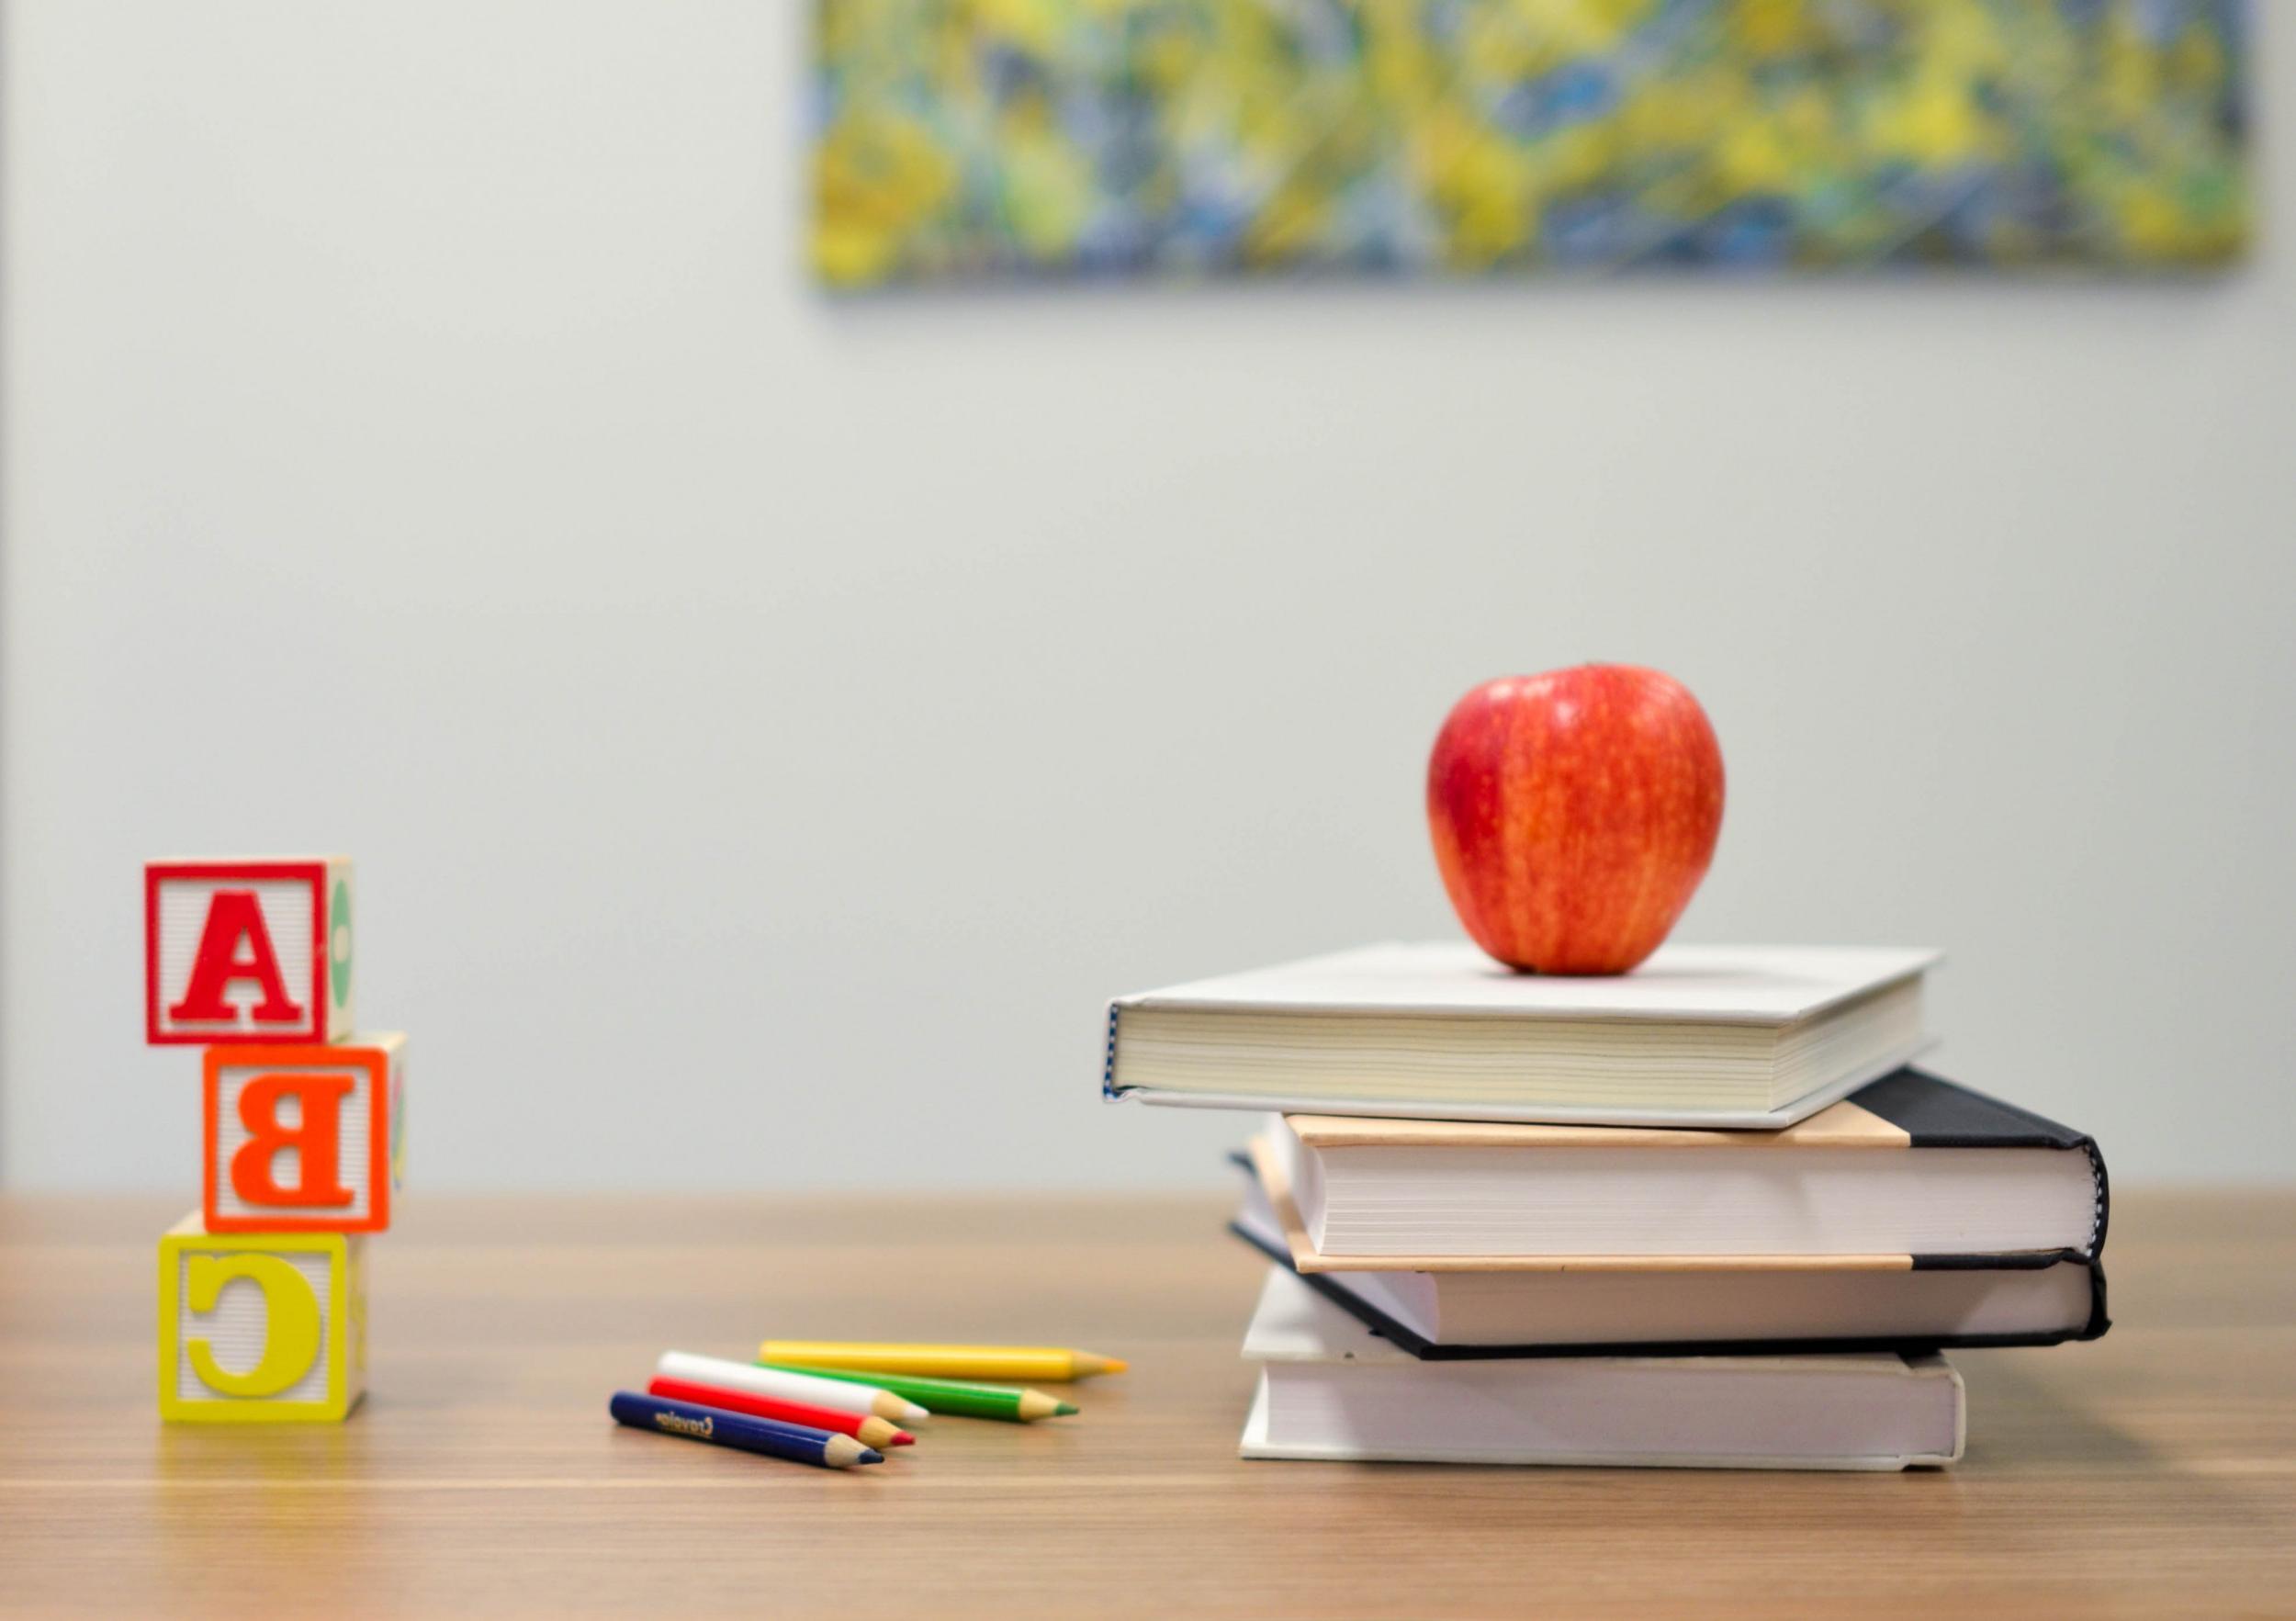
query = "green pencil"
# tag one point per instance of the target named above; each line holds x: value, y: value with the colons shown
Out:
x: 959, y: 1398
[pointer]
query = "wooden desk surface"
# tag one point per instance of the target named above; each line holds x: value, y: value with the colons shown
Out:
x: 2152, y: 1471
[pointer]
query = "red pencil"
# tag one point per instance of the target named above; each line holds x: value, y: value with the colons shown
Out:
x: 865, y: 1427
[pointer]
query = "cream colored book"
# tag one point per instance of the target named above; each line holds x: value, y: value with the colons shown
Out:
x: 1909, y: 1165
x: 1749, y: 1037
x: 1331, y: 1390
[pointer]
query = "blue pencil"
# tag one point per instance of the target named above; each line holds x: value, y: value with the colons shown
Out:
x: 771, y: 1437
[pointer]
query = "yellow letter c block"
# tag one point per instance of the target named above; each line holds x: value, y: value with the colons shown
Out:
x: 302, y: 1325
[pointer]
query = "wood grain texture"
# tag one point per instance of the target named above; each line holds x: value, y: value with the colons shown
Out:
x: 2152, y: 1473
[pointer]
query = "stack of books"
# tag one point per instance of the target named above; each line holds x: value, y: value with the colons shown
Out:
x: 1702, y: 1214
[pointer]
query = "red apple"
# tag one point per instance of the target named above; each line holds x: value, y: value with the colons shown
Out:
x: 1574, y: 814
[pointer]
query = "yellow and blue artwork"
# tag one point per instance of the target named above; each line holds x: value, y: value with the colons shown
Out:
x: 959, y: 138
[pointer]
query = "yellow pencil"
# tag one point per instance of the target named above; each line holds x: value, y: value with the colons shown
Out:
x: 1048, y: 1362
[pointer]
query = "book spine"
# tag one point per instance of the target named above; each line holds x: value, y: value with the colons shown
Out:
x: 2103, y: 1212
x: 2098, y: 1321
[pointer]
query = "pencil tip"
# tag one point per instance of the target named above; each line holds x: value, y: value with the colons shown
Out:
x: 869, y: 1455
x: 1061, y: 1409
x: 901, y: 1438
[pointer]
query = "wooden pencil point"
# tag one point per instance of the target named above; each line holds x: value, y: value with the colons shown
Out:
x: 844, y: 1452
x: 1035, y: 1404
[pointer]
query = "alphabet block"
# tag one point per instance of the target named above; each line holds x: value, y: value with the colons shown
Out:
x: 303, y: 1138
x: 260, y: 1328
x: 247, y: 950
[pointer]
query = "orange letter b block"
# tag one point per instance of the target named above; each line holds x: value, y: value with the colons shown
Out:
x: 303, y: 1138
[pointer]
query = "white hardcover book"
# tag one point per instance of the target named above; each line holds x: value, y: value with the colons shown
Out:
x: 1585, y: 1307
x: 1331, y: 1390
x: 1727, y: 1036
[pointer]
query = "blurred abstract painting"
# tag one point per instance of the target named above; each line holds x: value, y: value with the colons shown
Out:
x: 965, y: 139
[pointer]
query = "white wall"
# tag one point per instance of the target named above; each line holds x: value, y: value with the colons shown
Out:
x: 768, y: 729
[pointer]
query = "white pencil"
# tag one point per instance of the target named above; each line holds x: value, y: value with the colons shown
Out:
x: 838, y: 1395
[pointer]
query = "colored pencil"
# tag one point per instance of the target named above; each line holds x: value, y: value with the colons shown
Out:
x: 865, y: 1427
x: 845, y: 1395
x: 1051, y: 1364
x: 954, y: 1397
x: 720, y: 1428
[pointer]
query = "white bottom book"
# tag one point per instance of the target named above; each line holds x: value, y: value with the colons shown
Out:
x: 1330, y: 1389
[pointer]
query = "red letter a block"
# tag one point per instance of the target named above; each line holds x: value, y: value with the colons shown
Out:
x: 242, y: 952
x: 303, y: 1138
